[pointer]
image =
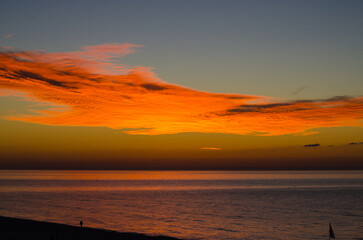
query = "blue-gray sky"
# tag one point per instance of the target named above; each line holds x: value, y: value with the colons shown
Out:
x: 284, y: 49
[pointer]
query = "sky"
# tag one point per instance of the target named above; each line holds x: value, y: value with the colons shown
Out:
x: 181, y: 84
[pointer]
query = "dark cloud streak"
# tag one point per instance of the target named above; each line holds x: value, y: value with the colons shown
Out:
x: 30, y: 75
x: 153, y: 87
x: 312, y: 145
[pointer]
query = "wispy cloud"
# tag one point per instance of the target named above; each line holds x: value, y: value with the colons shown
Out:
x: 9, y: 36
x: 98, y: 92
x: 210, y: 148
x: 299, y: 90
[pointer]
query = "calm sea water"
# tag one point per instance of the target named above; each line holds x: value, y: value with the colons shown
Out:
x: 192, y: 204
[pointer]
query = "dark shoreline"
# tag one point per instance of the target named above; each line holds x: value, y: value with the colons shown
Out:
x: 19, y: 229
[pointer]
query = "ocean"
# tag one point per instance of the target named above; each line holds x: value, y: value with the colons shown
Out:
x: 192, y: 204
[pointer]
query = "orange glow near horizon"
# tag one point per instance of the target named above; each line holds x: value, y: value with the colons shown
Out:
x: 85, y: 91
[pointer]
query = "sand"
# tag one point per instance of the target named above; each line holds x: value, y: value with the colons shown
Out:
x: 21, y: 229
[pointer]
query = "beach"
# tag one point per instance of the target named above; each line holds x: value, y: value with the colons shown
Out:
x: 17, y: 228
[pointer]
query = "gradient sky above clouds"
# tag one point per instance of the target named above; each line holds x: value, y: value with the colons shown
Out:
x: 277, y: 74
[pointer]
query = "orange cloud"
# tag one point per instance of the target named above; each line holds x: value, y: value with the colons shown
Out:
x: 138, y: 102
x: 210, y: 148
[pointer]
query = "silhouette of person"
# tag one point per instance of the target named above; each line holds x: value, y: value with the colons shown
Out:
x: 81, y: 223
